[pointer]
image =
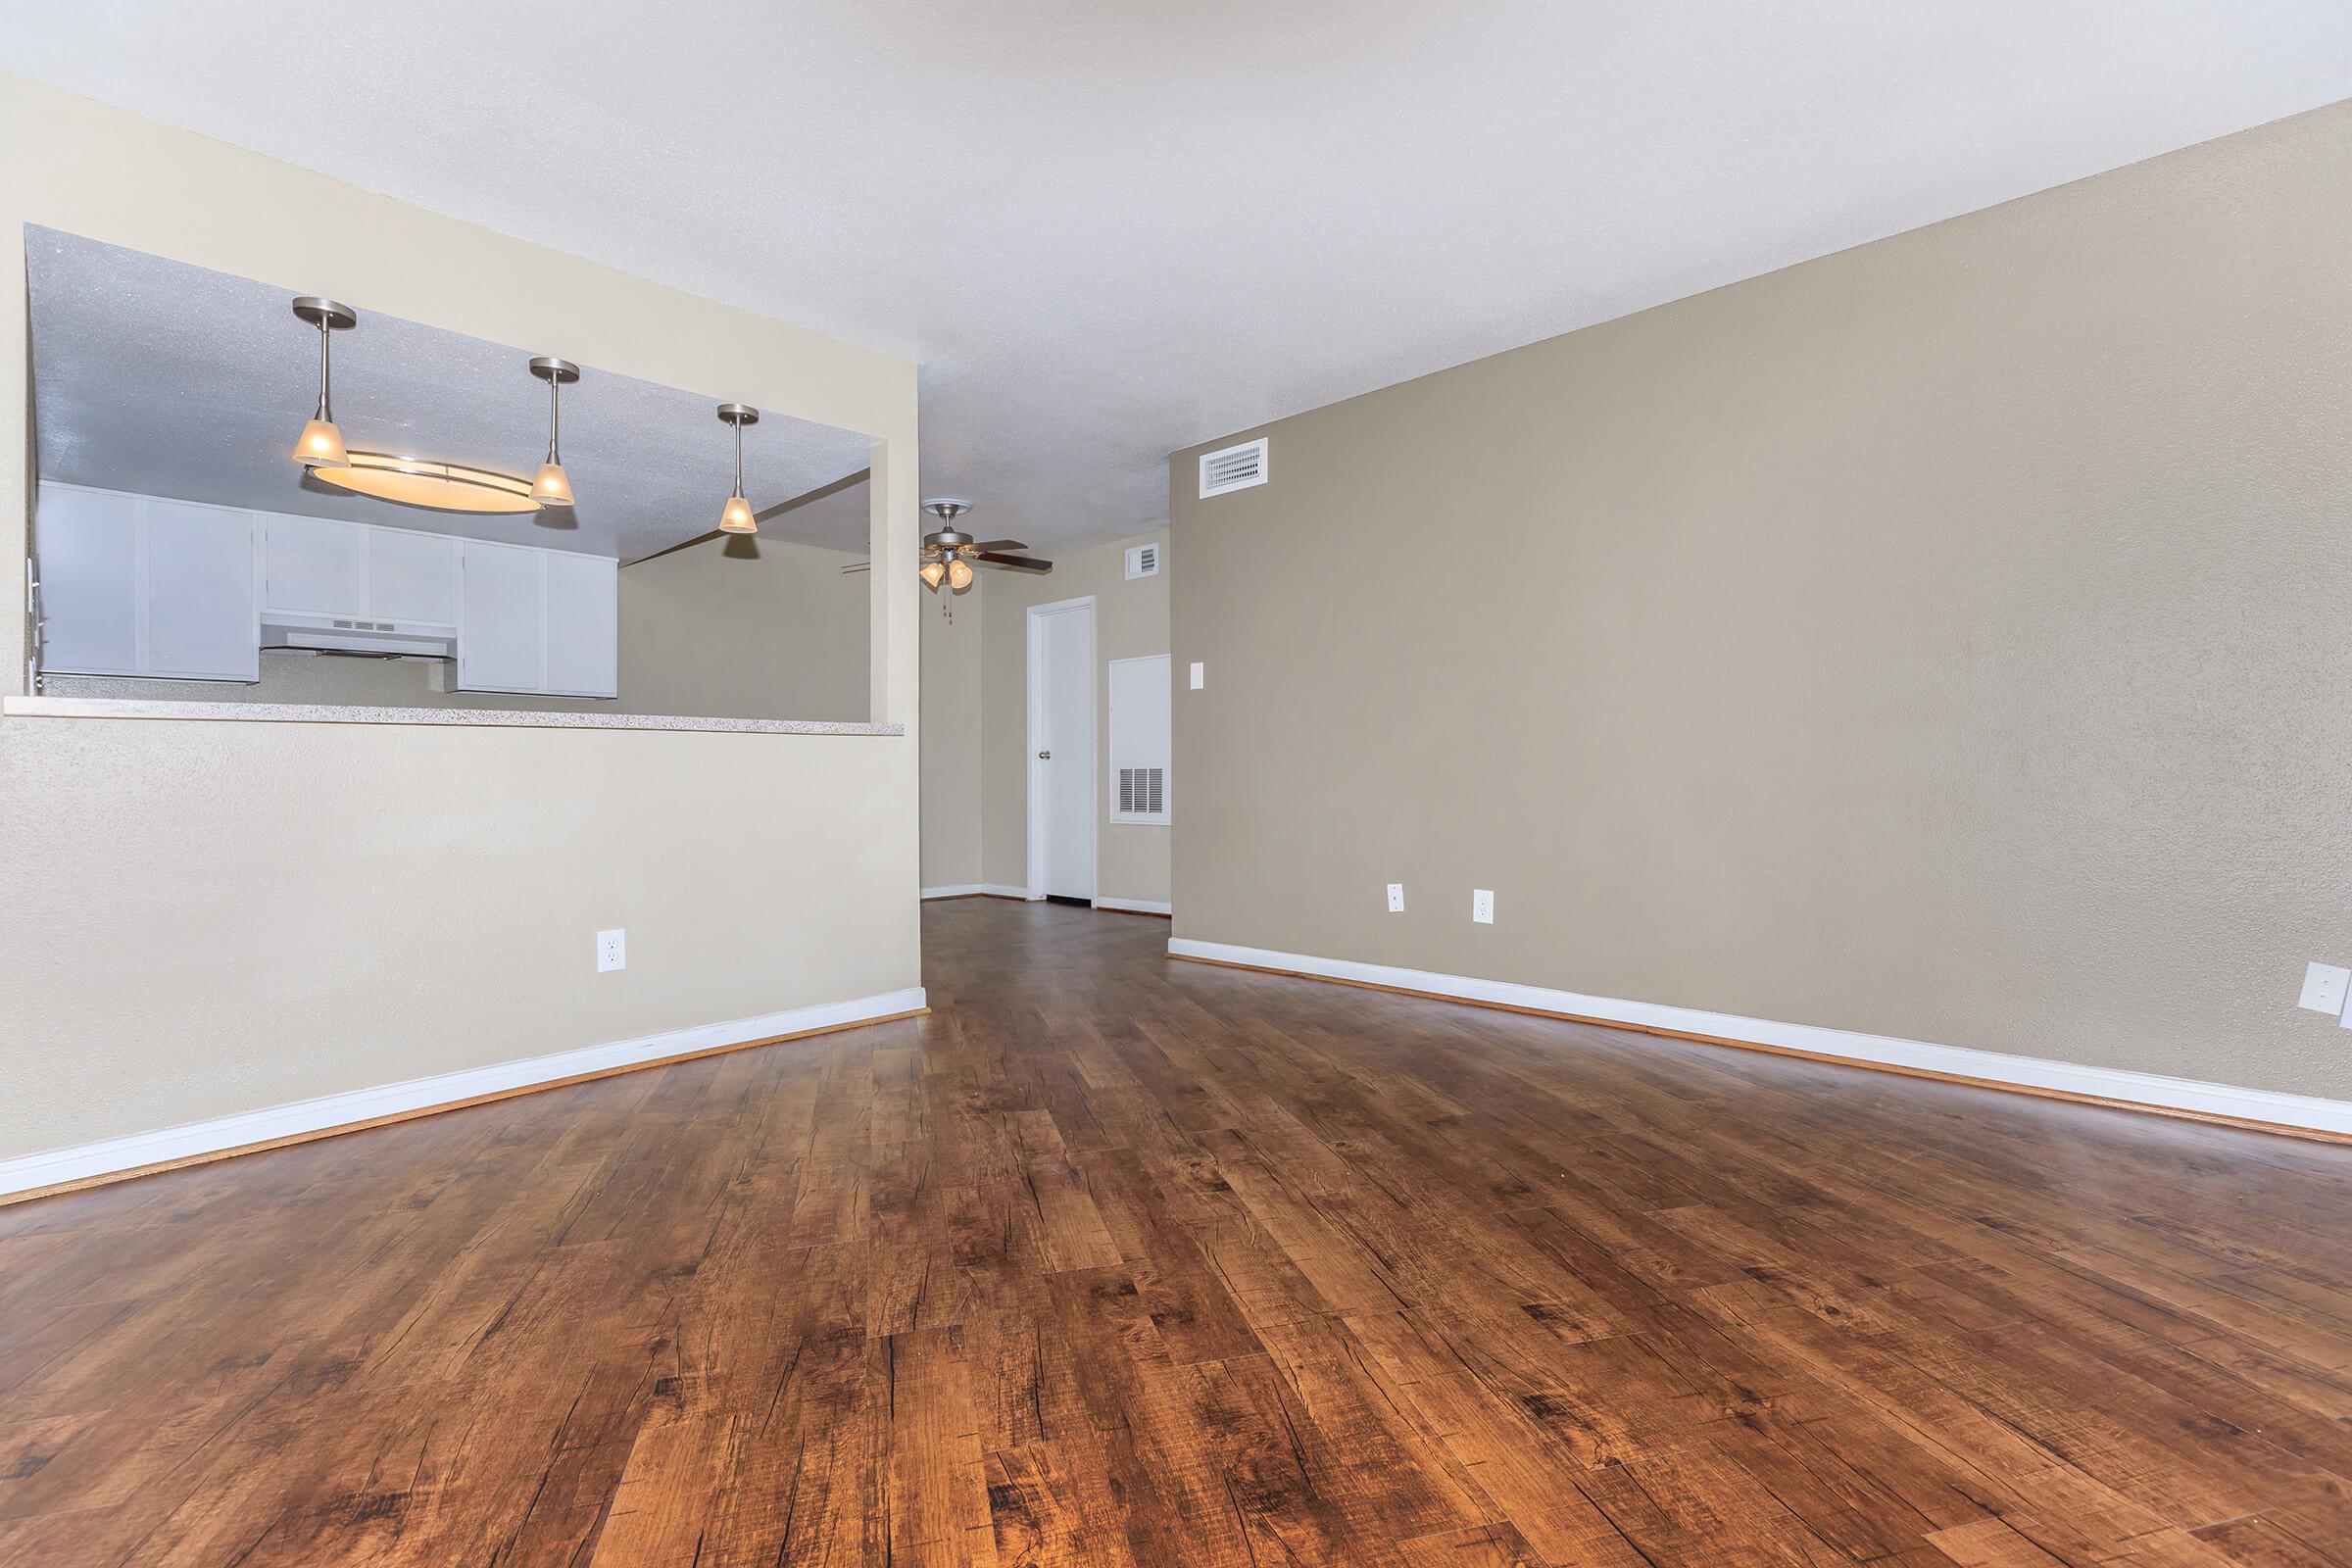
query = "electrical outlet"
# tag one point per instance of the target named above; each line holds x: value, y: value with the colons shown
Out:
x: 1396, y: 898
x: 612, y: 950
x: 1482, y: 906
x: 2324, y: 987
x: 1199, y: 674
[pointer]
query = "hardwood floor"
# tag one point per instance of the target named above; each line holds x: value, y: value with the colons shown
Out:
x: 1114, y: 1260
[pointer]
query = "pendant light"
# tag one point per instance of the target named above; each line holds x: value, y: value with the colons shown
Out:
x: 738, y: 519
x: 552, y: 487
x: 322, y: 444
x: 425, y: 482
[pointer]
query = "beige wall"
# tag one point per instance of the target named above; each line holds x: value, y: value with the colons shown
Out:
x: 952, y: 702
x: 763, y: 629
x: 770, y: 631
x: 1131, y: 620
x: 1946, y: 639
x: 199, y: 919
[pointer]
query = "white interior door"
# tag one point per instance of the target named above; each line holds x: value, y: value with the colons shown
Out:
x: 1061, y: 748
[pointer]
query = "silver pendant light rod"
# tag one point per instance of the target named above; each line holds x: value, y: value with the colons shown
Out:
x: 557, y: 373
x: 329, y: 316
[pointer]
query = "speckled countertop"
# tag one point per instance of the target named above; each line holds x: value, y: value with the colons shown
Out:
x: 492, y: 718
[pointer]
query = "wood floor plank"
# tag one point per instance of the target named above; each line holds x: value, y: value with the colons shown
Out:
x: 1114, y: 1261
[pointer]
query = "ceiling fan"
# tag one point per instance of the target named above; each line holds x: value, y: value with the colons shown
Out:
x: 950, y: 554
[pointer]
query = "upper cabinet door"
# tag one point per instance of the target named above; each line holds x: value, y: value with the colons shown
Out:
x: 88, y: 543
x: 313, y: 567
x: 201, y: 623
x: 583, y: 645
x: 412, y: 576
x: 501, y: 618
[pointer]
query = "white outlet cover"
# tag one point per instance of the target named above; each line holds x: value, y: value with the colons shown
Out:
x: 1482, y: 906
x: 1199, y: 674
x: 612, y: 950
x: 1396, y: 898
x: 2323, y: 989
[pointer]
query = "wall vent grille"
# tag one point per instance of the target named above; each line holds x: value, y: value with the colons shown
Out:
x: 1142, y: 757
x: 1143, y: 561
x: 1233, y: 469
x: 1142, y: 792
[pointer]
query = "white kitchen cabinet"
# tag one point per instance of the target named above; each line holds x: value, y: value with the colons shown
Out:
x: 538, y: 621
x: 412, y: 576
x: 88, y: 543
x: 501, y: 618
x: 315, y: 566
x: 583, y: 625
x: 139, y: 585
x: 200, y: 592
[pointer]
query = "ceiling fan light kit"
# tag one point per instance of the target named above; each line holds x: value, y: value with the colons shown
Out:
x: 950, y: 554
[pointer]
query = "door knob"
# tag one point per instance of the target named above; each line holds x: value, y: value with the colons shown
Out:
x: 1044, y: 756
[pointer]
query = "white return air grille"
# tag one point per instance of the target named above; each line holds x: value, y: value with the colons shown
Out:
x: 1143, y: 561
x: 1141, y: 755
x: 1142, y: 792
x: 1233, y: 469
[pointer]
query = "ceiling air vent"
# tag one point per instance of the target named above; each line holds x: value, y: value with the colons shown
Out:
x: 1233, y: 469
x: 1143, y: 561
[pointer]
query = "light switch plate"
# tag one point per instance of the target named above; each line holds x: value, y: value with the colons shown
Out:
x: 612, y: 950
x: 1482, y: 906
x: 1199, y: 674
x: 1396, y: 898
x: 2324, y: 987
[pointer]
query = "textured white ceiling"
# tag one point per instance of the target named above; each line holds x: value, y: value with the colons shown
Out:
x: 169, y: 379
x: 1112, y: 228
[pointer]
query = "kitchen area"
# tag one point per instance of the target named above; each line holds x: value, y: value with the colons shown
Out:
x: 461, y: 529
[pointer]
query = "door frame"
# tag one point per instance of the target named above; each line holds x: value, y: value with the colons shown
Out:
x: 1035, y: 774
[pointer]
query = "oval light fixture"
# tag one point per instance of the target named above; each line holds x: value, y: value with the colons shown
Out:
x: 737, y: 517
x: 422, y: 483
x: 552, y: 487
x: 321, y: 442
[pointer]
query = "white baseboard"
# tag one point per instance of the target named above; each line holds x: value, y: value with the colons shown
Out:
x: 960, y: 890
x: 2027, y: 1073
x: 998, y: 890
x: 1137, y: 906
x: 196, y: 1139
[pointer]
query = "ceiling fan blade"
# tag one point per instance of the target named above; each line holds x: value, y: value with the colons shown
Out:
x: 1016, y: 563
x: 999, y: 544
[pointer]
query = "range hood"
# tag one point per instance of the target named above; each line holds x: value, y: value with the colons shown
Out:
x: 373, y: 639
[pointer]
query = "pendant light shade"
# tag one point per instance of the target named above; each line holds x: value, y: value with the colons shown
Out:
x: 553, y: 486
x: 321, y: 446
x: 737, y: 517
x: 933, y: 572
x: 321, y: 443
x: 959, y: 576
